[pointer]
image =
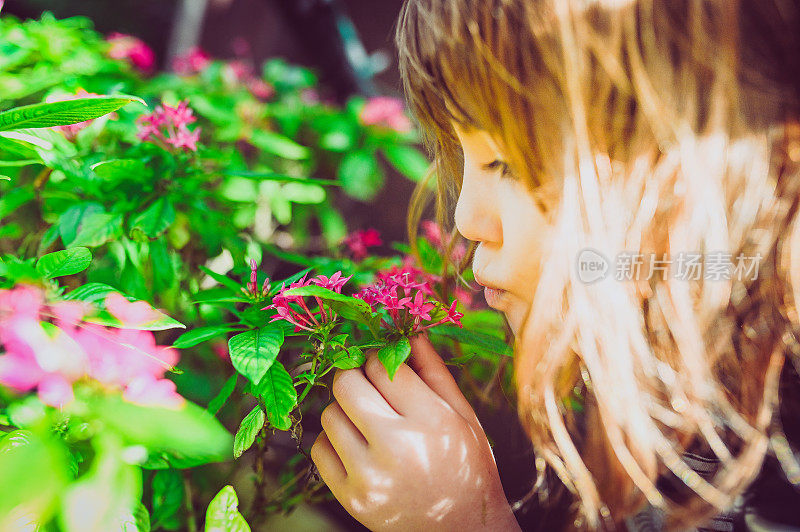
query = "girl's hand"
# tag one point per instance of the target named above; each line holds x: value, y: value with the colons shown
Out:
x: 409, y: 453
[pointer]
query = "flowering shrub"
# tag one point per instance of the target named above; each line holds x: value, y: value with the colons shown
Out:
x: 118, y: 212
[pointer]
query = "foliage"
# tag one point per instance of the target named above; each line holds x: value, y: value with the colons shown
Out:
x: 139, y: 215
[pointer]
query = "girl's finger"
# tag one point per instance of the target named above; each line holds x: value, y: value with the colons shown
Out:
x: 405, y: 392
x: 363, y: 404
x: 430, y: 367
x: 330, y: 467
x: 344, y: 436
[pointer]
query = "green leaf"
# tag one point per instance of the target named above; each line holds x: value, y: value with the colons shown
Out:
x: 277, y: 144
x: 154, y: 220
x: 360, y: 175
x: 253, y: 352
x: 71, y: 219
x: 107, y: 496
x: 64, y: 262
x: 222, y: 279
x: 394, y: 354
x: 200, y: 335
x: 221, y: 398
x: 348, y: 307
x: 248, y: 430
x: 407, y: 160
x: 350, y: 358
x: 471, y: 337
x: 62, y: 113
x: 189, y: 433
x: 97, y: 228
x: 119, y: 169
x: 34, y: 472
x: 223, y: 513
x: 277, y: 391
x: 96, y: 293
x: 168, y: 494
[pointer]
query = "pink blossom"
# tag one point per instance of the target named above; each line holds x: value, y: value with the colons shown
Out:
x: 168, y: 126
x: 260, y: 89
x: 240, y: 46
x: 193, y: 61
x: 305, y: 319
x: 385, y: 111
x: 131, y: 49
x: 358, y: 241
x: 309, y: 96
x: 146, y: 390
x: 252, y: 288
x: 433, y: 234
x: 221, y: 350
x: 48, y: 348
x: 237, y: 71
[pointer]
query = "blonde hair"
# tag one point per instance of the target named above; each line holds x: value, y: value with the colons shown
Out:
x: 651, y: 126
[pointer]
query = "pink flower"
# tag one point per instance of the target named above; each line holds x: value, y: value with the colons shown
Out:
x: 260, y: 89
x: 146, y: 390
x: 169, y: 126
x: 193, y: 61
x: 385, y: 111
x: 304, y: 319
x: 240, y: 46
x: 432, y: 232
x: 252, y: 288
x: 48, y: 348
x: 357, y: 242
x: 237, y: 71
x: 420, y: 308
x: 309, y: 96
x: 131, y: 49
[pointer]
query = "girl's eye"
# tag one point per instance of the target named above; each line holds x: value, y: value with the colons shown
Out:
x: 497, y: 163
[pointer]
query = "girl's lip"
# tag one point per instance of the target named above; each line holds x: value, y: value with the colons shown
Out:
x: 496, y: 298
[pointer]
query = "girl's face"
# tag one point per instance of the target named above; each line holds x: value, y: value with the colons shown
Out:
x: 499, y: 213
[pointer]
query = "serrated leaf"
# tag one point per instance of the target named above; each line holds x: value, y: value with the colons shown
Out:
x: 223, y: 513
x: 277, y: 391
x: 248, y: 430
x: 155, y: 219
x: 62, y: 113
x: 393, y: 354
x: 200, y: 335
x: 253, y: 352
x: 64, y: 262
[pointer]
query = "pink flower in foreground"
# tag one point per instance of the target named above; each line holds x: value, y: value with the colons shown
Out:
x: 131, y: 49
x: 385, y: 111
x: 260, y: 89
x: 357, y: 242
x: 295, y: 309
x: 169, y: 126
x: 193, y: 61
x: 48, y: 347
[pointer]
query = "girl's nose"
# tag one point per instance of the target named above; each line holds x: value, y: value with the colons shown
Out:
x: 477, y: 214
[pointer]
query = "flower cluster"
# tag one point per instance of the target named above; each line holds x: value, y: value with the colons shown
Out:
x: 357, y: 242
x: 131, y: 49
x: 252, y: 288
x: 48, y: 347
x: 193, y: 61
x: 295, y: 310
x: 169, y: 125
x: 408, y: 304
x: 241, y: 72
x: 385, y: 111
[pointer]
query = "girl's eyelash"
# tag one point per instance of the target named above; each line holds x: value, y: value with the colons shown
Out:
x: 497, y: 163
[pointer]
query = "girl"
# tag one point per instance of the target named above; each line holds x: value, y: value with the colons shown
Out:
x: 629, y: 172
